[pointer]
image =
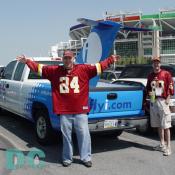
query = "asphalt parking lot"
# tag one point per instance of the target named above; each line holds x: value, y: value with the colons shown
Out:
x: 129, y: 154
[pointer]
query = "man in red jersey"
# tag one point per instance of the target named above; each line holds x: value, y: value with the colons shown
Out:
x: 160, y: 87
x: 70, y: 92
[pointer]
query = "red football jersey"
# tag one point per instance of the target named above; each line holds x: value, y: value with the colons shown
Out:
x: 70, y: 90
x: 162, y: 81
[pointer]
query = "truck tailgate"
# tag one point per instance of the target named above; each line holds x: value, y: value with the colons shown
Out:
x: 116, y: 101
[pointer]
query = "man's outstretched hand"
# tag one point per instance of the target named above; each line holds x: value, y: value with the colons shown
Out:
x: 22, y: 59
x: 116, y: 57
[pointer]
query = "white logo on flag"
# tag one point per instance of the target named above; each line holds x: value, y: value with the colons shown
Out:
x: 92, y: 49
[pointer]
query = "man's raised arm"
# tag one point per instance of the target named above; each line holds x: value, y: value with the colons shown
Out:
x: 107, y: 62
x: 46, y: 72
x: 98, y: 68
x: 31, y: 64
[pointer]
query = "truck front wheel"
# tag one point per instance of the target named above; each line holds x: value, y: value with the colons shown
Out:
x: 43, y: 128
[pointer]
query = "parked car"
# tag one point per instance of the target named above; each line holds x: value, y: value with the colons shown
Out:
x: 139, y: 74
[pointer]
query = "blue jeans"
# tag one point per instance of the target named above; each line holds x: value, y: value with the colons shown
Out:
x: 80, y: 124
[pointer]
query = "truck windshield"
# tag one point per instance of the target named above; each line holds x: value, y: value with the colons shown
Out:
x: 33, y: 75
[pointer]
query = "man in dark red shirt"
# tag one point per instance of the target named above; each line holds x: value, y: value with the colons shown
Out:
x: 70, y: 92
x: 160, y: 87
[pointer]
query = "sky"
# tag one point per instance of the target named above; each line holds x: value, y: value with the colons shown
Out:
x: 31, y: 27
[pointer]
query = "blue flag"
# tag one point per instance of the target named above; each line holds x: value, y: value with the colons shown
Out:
x: 98, y: 44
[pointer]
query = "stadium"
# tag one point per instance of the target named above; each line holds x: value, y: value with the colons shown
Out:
x: 160, y: 41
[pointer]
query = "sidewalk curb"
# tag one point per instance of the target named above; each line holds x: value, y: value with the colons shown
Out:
x: 11, y: 143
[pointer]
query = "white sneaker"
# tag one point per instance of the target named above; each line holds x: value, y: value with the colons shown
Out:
x: 167, y: 152
x: 160, y: 147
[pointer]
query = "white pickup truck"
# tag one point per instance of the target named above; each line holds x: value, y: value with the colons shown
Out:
x: 114, y: 107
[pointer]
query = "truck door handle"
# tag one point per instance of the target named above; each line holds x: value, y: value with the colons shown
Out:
x: 7, y: 85
x: 111, y: 96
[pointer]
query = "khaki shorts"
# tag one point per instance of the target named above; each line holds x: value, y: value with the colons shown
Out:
x: 160, y: 115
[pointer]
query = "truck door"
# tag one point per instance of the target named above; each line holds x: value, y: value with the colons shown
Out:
x: 2, y: 90
x: 4, y: 86
x: 14, y: 89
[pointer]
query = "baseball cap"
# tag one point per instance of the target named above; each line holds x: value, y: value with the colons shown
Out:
x: 68, y: 53
x: 156, y: 58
